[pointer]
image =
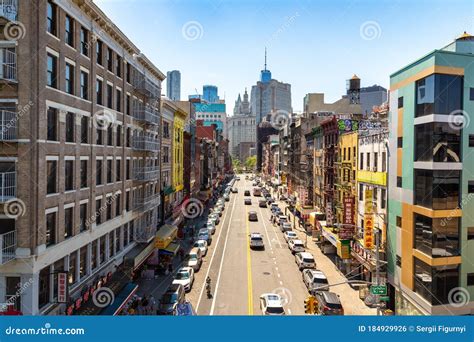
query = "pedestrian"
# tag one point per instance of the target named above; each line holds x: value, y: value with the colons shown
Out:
x: 170, y: 267
x: 144, y: 303
x: 151, y: 305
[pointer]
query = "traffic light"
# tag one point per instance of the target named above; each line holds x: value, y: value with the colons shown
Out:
x: 309, y: 305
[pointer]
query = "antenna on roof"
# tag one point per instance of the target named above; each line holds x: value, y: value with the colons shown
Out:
x: 265, y: 58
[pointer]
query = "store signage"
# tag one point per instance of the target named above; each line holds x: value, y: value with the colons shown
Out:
x: 348, y: 210
x: 329, y: 216
x: 368, y: 220
x: 347, y: 125
x: 380, y: 290
x: 62, y: 287
x: 344, y: 249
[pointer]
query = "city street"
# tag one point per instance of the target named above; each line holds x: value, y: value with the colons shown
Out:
x: 240, y: 275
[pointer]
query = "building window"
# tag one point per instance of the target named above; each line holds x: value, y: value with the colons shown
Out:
x: 437, y: 189
x: 51, y: 184
x: 83, y: 217
x: 50, y: 229
x: 52, y: 71
x: 98, y: 52
x: 438, y: 94
x: 98, y: 172
x: 470, y: 187
x: 383, y: 200
x: 52, y: 133
x: 111, y: 244
x: 84, y: 85
x: 384, y: 161
x: 108, y: 210
x: 128, y: 169
x: 128, y: 104
x: 84, y: 130
x: 118, y: 65
x: 68, y: 223
x: 99, y: 91
x: 118, y: 100
x: 110, y: 136
x: 83, y: 172
x: 110, y: 64
x: 399, y: 222
x: 117, y: 204
x: 127, y: 201
x: 69, y: 30
x: 400, y: 102
x: 69, y: 75
x: 84, y: 41
x: 166, y: 154
x: 83, y: 262
x: 399, y: 182
x: 437, y: 237
x: 376, y: 161
x: 118, y: 170
x: 471, y: 94
x: 119, y: 135
x: 94, y: 254
x: 368, y: 161
x: 102, y: 250
x: 109, y: 171
x: 44, y: 286
x: 129, y: 136
x: 434, y: 283
x: 69, y: 175
x: 51, y: 13
x: 437, y: 142
x: 70, y: 126
x: 361, y: 161
x: 399, y: 260
x: 13, y: 288
x: 471, y: 140
x: 129, y: 72
x: 470, y: 279
x: 98, y: 211
x: 361, y: 192
x: 399, y: 142
x: 109, y: 95
x: 99, y: 138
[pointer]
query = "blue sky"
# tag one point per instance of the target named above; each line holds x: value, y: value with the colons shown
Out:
x: 313, y: 45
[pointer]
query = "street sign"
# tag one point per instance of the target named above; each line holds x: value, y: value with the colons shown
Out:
x: 380, y: 290
x: 384, y: 298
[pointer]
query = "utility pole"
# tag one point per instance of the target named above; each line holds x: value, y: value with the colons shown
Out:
x: 377, y: 267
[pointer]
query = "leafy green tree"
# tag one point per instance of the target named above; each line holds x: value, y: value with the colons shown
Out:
x: 251, y: 162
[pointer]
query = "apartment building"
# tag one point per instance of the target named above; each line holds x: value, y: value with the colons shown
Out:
x: 431, y: 183
x: 79, y: 153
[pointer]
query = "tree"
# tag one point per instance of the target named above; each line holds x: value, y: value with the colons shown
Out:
x: 236, y: 165
x: 251, y: 162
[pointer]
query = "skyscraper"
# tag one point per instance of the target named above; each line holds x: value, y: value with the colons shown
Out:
x: 242, y: 128
x: 173, y: 85
x: 209, y: 93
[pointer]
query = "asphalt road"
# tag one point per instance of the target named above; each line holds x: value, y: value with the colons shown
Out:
x: 240, y: 275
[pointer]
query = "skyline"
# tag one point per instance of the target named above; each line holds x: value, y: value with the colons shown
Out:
x: 217, y: 34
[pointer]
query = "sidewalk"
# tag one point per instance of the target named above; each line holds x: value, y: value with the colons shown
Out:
x: 348, y: 296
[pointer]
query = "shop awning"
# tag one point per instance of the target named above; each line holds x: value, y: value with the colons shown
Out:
x: 165, y: 235
x: 172, y: 249
x: 168, y: 190
x: 120, y: 300
x: 330, y: 236
x: 137, y: 256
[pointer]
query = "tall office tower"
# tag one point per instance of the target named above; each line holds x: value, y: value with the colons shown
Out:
x: 173, y: 85
x: 209, y: 94
x: 431, y: 183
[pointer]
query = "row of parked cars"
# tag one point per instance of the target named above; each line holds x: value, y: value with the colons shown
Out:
x: 314, y: 279
x: 184, y: 278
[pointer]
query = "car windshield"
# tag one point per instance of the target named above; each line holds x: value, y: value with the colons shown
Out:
x: 334, y: 306
x: 320, y: 281
x: 257, y: 238
x: 182, y: 275
x: 308, y: 260
x: 193, y: 258
x: 291, y: 234
x: 299, y: 244
x: 169, y: 298
x: 275, y: 310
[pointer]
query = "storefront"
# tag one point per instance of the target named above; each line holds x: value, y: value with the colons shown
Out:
x: 331, y: 244
x: 134, y: 261
x: 168, y: 248
x: 316, y: 220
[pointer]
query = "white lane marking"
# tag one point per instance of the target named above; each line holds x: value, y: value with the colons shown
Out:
x: 278, y: 275
x: 276, y: 268
x: 222, y: 262
x: 281, y: 283
x: 265, y: 226
x: 212, y: 258
x: 289, y: 311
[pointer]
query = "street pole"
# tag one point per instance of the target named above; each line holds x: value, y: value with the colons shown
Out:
x: 377, y: 266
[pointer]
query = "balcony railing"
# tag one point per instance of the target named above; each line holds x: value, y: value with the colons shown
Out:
x: 146, y: 230
x: 147, y: 202
x: 8, y: 64
x: 147, y: 114
x: 145, y: 86
x: 9, y: 9
x: 7, y: 186
x: 146, y: 143
x: 7, y: 246
x: 146, y: 173
x: 8, y: 121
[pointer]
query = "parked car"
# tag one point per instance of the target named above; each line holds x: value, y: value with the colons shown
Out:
x: 256, y: 241
x: 271, y: 304
x: 274, y: 207
x: 235, y: 190
x: 237, y: 178
x: 218, y: 210
x: 202, y: 245
x: 204, y: 234
x: 270, y: 200
x: 247, y: 193
x: 185, y: 277
x: 257, y: 192
x: 173, y: 296
x: 214, y: 217
x: 285, y: 226
x: 253, y: 216
x: 226, y: 197
x: 194, y: 259
x: 262, y: 204
x: 211, y: 226
x: 315, y: 280
x: 247, y: 201
x: 290, y: 235
x: 305, y: 260
x: 296, y: 246
x: 329, y: 303
x: 282, y: 219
